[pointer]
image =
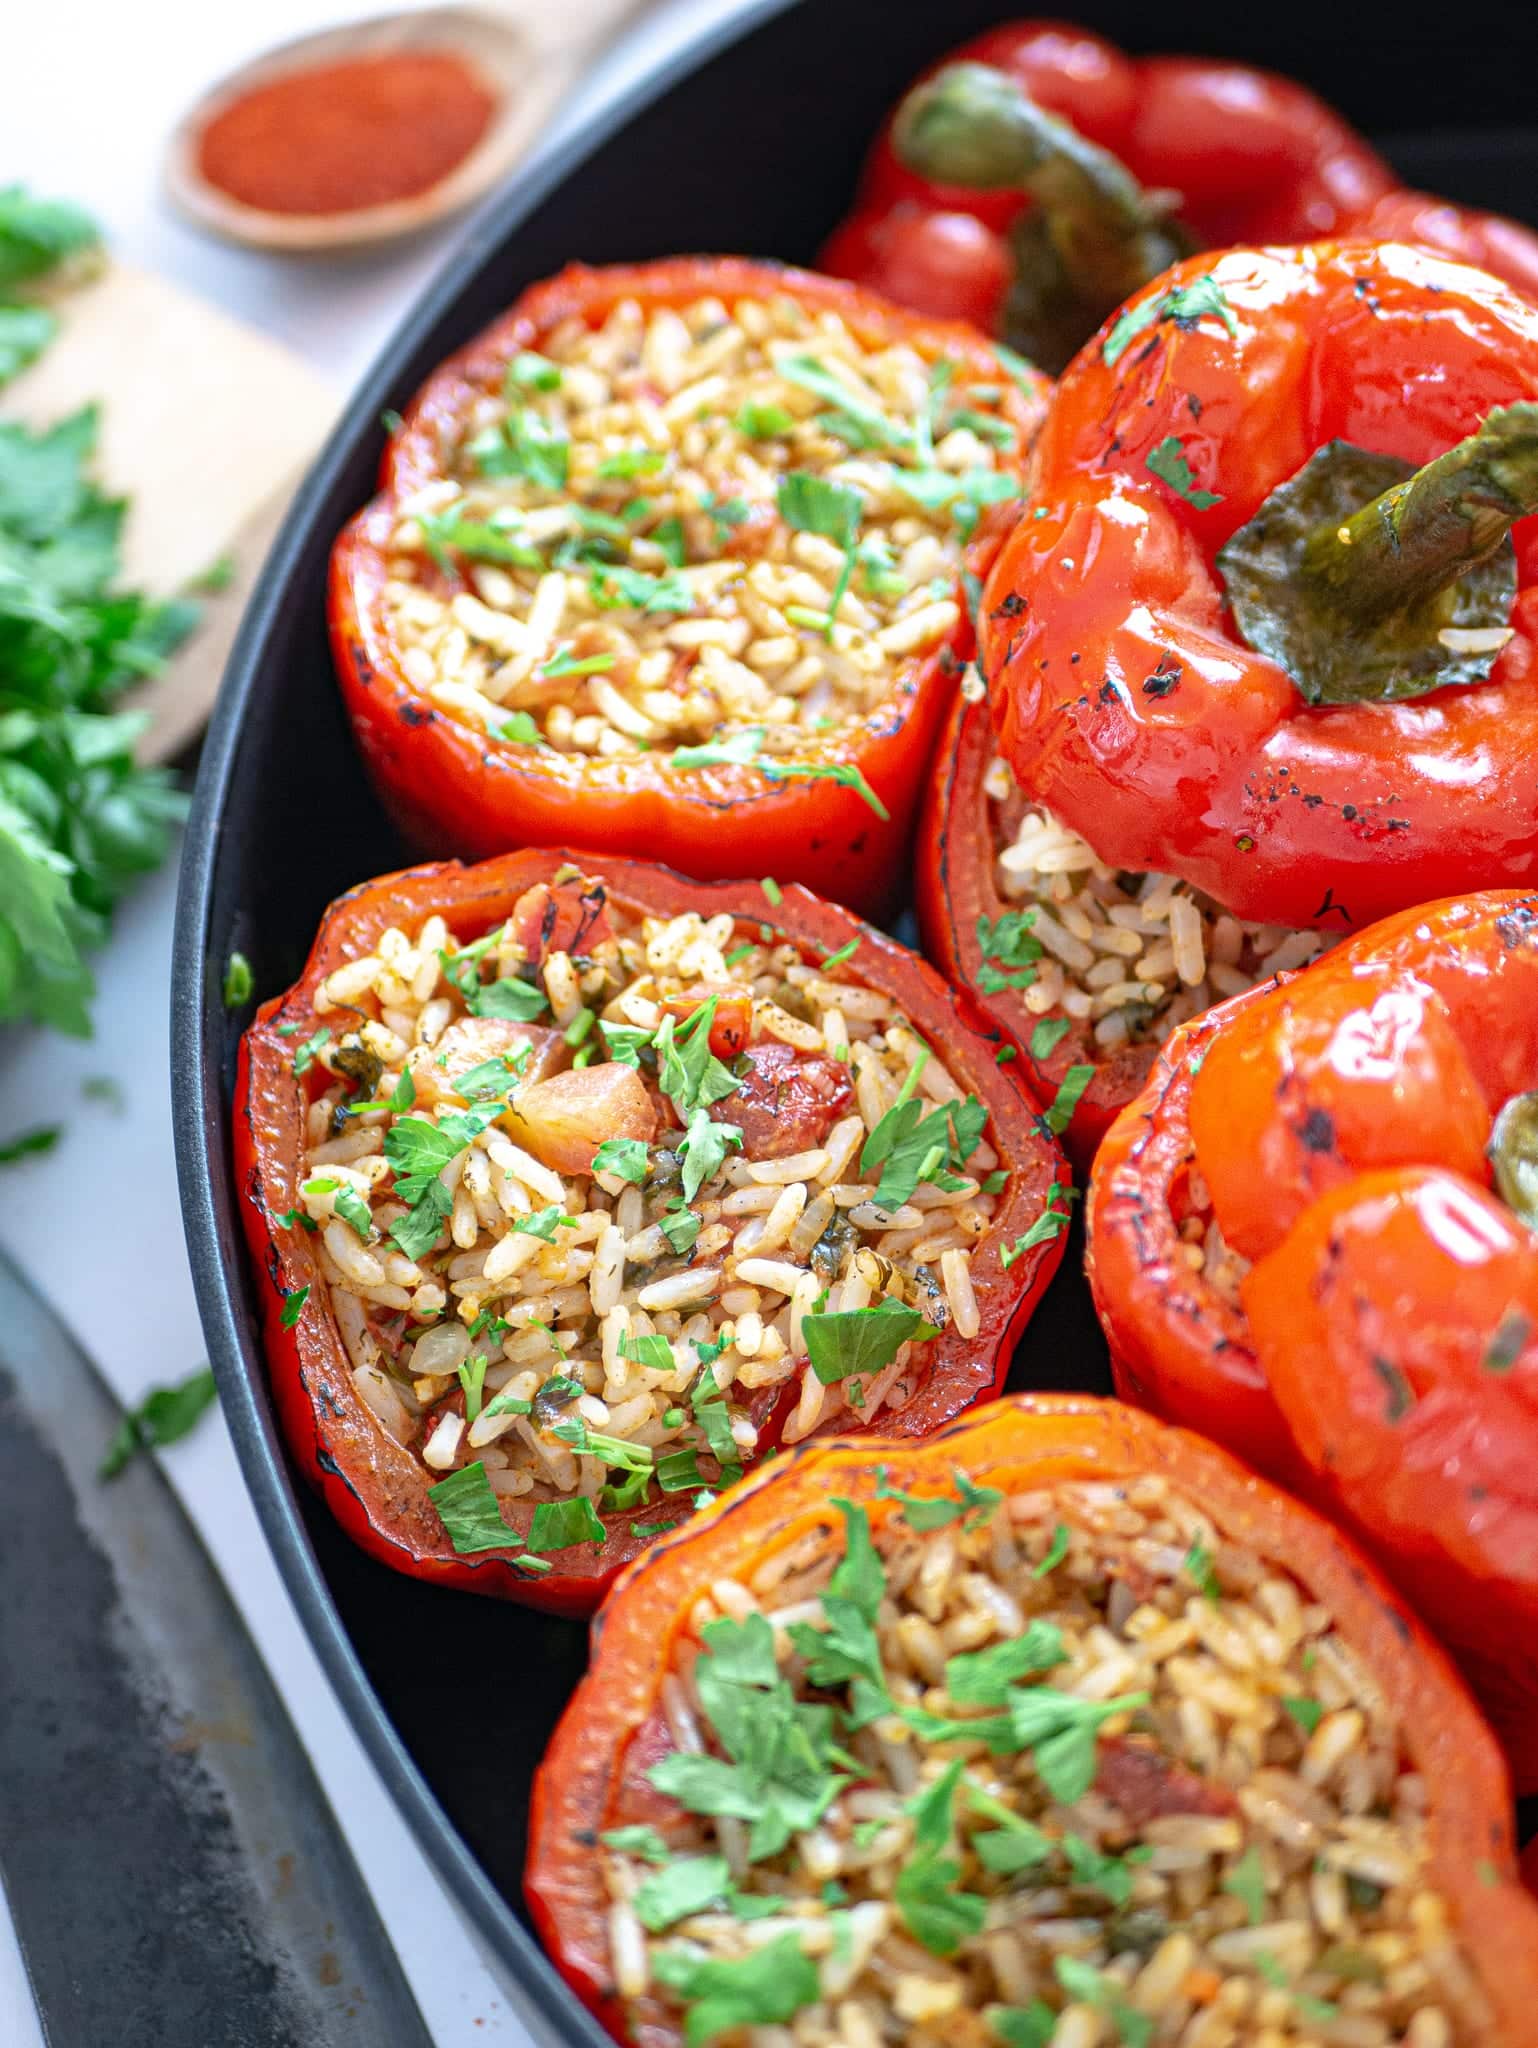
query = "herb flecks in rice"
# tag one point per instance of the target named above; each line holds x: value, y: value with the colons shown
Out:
x: 633, y: 546
x: 1126, y: 956
x: 603, y: 1329
x: 1229, y: 1850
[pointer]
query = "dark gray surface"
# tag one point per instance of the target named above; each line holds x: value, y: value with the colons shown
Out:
x: 750, y: 144
x: 175, y: 1876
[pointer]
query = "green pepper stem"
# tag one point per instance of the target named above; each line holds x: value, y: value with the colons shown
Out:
x: 1094, y: 236
x: 1401, y: 551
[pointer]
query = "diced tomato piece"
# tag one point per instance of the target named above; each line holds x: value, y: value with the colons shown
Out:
x: 561, y: 917
x: 1147, y: 1785
x: 732, y: 1025
x: 787, y: 1101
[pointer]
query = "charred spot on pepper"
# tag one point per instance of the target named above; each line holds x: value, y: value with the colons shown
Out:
x: 1011, y: 608
x: 1399, y: 1396
x: 1519, y: 927
x: 1166, y: 678
x: 415, y: 714
x: 1329, y: 907
x: 1316, y: 1133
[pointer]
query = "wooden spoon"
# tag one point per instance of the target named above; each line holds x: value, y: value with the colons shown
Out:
x: 528, y: 56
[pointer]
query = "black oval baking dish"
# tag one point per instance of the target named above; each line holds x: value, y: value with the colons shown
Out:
x: 748, y: 144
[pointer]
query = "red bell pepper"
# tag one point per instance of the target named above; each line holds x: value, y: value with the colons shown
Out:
x: 1243, y: 156
x: 959, y: 905
x: 1315, y: 1238
x: 1353, y: 729
x: 378, y: 1487
x: 456, y: 788
x: 594, y: 1799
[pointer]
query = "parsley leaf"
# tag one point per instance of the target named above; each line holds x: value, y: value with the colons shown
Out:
x: 1184, y: 306
x: 1088, y: 1986
x: 617, y: 589
x: 971, y: 1505
x: 1008, y: 941
x: 982, y: 1678
x: 1169, y: 464
x: 861, y: 1340
x: 238, y: 982
x: 1048, y: 1035
x: 1247, y: 1883
x: 768, y: 1986
x: 1056, y: 1551
x: 559, y: 1523
x: 846, y: 1652
x: 684, y: 1886
x: 910, y: 1147
x: 470, y: 1512
x: 1070, y: 1091
x: 1023, y: 2026
x: 164, y: 1416
x: 1051, y: 1223
x: 1308, y: 1713
x: 854, y: 419
x: 27, y: 1144
x: 938, y: 1915
x: 625, y: 1158
x: 293, y: 1306
x: 1197, y: 1566
x: 644, y: 1842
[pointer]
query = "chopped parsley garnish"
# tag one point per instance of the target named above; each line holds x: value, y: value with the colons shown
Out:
x: 971, y: 1505
x: 472, y: 1377
x: 1184, y: 306
x: 482, y: 541
x: 164, y: 1416
x: 1088, y: 1986
x: 652, y: 1352
x: 625, y: 1158
x: 29, y: 1144
x: 938, y: 1915
x: 760, y: 421
x: 418, y: 1152
x: 1070, y: 1091
x: 238, y: 982
x: 544, y: 1223
x: 1048, y: 1035
x: 854, y: 419
x: 739, y: 953
x: 1051, y: 1223
x: 642, y: 1842
x: 630, y: 462
x: 1056, y: 1551
x: 560, y: 1523
x: 1169, y: 464
x: 685, y: 1885
x: 643, y: 1529
x: 772, y: 891
x: 1308, y: 1713
x: 617, y: 589
x: 511, y: 1000
x: 811, y: 504
x: 293, y: 1305
x: 861, y: 1340
x: 1010, y: 951
x: 354, y: 1211
x: 1198, y: 1568
x: 531, y: 372
x: 766, y: 1987
x: 679, y: 1472
x: 615, y: 1451
x: 982, y: 1678
x: 910, y: 1147
x: 845, y: 952
x: 519, y: 729
x: 1247, y: 1883
x: 564, y: 663
x: 304, y: 1055
x: 680, y: 1226
x: 471, y: 1515
x: 1023, y: 2026
x: 526, y: 445
x: 744, y: 749
x: 1092, y: 1870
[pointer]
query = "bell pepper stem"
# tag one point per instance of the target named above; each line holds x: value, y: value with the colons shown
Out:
x: 1399, y: 552
x: 1094, y: 236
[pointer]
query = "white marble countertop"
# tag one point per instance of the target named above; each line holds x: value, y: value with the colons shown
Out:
x: 91, y: 127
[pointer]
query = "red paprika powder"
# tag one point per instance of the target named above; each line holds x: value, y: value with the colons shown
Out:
x: 339, y: 137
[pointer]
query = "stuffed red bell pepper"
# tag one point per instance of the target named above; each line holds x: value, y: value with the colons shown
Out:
x: 1240, y: 638
x: 668, y: 562
x: 1315, y: 1237
x: 1058, y: 1728
x: 1037, y: 177
x: 574, y: 1186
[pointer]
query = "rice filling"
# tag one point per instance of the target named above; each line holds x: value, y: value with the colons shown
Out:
x: 1076, y: 1770
x: 595, y: 1193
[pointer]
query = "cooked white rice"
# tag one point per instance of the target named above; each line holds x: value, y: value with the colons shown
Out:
x: 1248, y: 1865
x: 672, y: 433
x: 1128, y: 956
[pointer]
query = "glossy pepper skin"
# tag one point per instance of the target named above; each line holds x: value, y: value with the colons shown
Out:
x: 456, y: 790
x: 1382, y: 1356
x: 592, y: 1778
x: 1124, y: 697
x: 1254, y: 157
x: 378, y: 1490
x: 953, y: 872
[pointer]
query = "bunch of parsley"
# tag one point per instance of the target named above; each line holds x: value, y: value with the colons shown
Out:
x: 79, y: 819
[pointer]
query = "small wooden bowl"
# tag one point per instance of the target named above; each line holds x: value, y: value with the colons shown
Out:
x: 526, y: 62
